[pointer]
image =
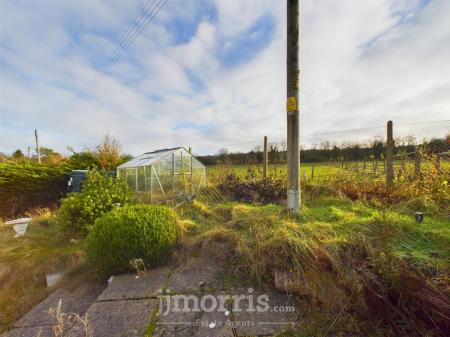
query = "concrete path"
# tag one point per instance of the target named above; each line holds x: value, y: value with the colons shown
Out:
x: 39, y: 322
x: 168, y: 302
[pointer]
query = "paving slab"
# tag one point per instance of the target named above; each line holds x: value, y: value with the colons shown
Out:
x: 133, y: 286
x: 35, y: 331
x: 198, y: 324
x: 278, y: 312
x: 214, y: 324
x: 125, y: 308
x: 123, y: 318
x: 176, y: 324
x: 194, y: 280
x: 76, y: 301
x: 150, y: 284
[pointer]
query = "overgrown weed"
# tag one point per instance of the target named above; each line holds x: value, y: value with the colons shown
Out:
x: 26, y: 260
x: 392, y: 271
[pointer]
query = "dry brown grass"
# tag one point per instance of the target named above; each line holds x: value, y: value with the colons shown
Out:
x: 65, y: 322
x: 25, y: 261
x: 367, y: 269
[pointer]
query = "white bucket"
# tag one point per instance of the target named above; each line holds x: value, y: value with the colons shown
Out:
x: 53, y: 278
x: 20, y: 228
x: 18, y: 221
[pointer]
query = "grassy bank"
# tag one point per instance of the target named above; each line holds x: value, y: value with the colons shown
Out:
x: 356, y: 257
x: 359, y: 267
x: 25, y: 261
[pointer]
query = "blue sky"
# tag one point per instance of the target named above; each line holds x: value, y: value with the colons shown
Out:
x: 211, y: 74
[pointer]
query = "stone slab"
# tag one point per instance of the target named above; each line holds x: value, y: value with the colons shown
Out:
x: 176, y: 325
x: 35, y: 331
x: 133, y: 286
x: 76, y: 301
x: 150, y: 284
x: 242, y: 319
x: 214, y: 324
x: 281, y: 314
x: 194, y: 280
x: 181, y: 324
x: 124, y: 318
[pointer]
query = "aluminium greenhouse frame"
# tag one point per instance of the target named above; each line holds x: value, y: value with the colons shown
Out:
x: 164, y: 176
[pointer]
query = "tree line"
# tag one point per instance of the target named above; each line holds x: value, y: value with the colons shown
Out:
x: 326, y: 152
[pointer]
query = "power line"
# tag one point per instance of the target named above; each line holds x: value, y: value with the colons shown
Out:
x: 124, y: 40
x: 126, y: 36
x: 125, y: 44
x: 128, y: 40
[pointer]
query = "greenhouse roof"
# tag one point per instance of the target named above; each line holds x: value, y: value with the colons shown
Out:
x: 149, y: 158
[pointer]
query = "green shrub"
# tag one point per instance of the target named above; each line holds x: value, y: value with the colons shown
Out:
x: 85, y: 160
x: 100, y: 194
x: 144, y: 232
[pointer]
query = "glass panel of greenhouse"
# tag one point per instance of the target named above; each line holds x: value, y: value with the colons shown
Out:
x: 164, y: 176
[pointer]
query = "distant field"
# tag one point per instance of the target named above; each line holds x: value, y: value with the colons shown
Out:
x: 321, y: 170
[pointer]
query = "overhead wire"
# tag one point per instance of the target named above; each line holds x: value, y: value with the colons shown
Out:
x: 129, y: 39
x: 122, y: 44
x: 126, y: 36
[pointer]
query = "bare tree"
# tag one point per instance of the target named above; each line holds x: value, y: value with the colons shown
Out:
x: 223, y: 155
x: 109, y: 152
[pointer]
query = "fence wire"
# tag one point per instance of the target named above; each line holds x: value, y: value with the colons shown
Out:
x: 362, y: 151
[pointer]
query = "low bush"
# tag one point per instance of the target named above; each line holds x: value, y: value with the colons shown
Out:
x: 145, y: 232
x: 100, y: 194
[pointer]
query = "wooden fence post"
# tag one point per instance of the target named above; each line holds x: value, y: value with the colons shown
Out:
x: 417, y: 165
x: 438, y: 163
x: 312, y: 173
x: 265, y: 159
x: 389, y: 156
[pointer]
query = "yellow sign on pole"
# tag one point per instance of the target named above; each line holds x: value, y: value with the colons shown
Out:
x: 291, y: 104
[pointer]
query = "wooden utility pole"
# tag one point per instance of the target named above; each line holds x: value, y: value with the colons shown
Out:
x: 265, y: 159
x: 36, y: 135
x: 389, y: 156
x: 292, y: 105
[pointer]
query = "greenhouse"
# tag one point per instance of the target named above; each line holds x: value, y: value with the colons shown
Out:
x: 164, y: 176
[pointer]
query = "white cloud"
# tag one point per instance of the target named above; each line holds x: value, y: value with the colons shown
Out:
x: 362, y: 63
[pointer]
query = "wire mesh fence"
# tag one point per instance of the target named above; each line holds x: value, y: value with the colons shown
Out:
x: 416, y: 146
x: 362, y: 151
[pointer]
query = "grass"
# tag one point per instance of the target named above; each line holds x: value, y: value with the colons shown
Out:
x: 279, y: 171
x: 322, y: 171
x: 25, y: 261
x: 385, y: 273
x: 361, y: 266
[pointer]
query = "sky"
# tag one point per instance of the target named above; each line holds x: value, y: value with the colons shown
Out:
x: 211, y: 74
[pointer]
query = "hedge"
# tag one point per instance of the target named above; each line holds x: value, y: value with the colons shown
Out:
x: 26, y: 186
